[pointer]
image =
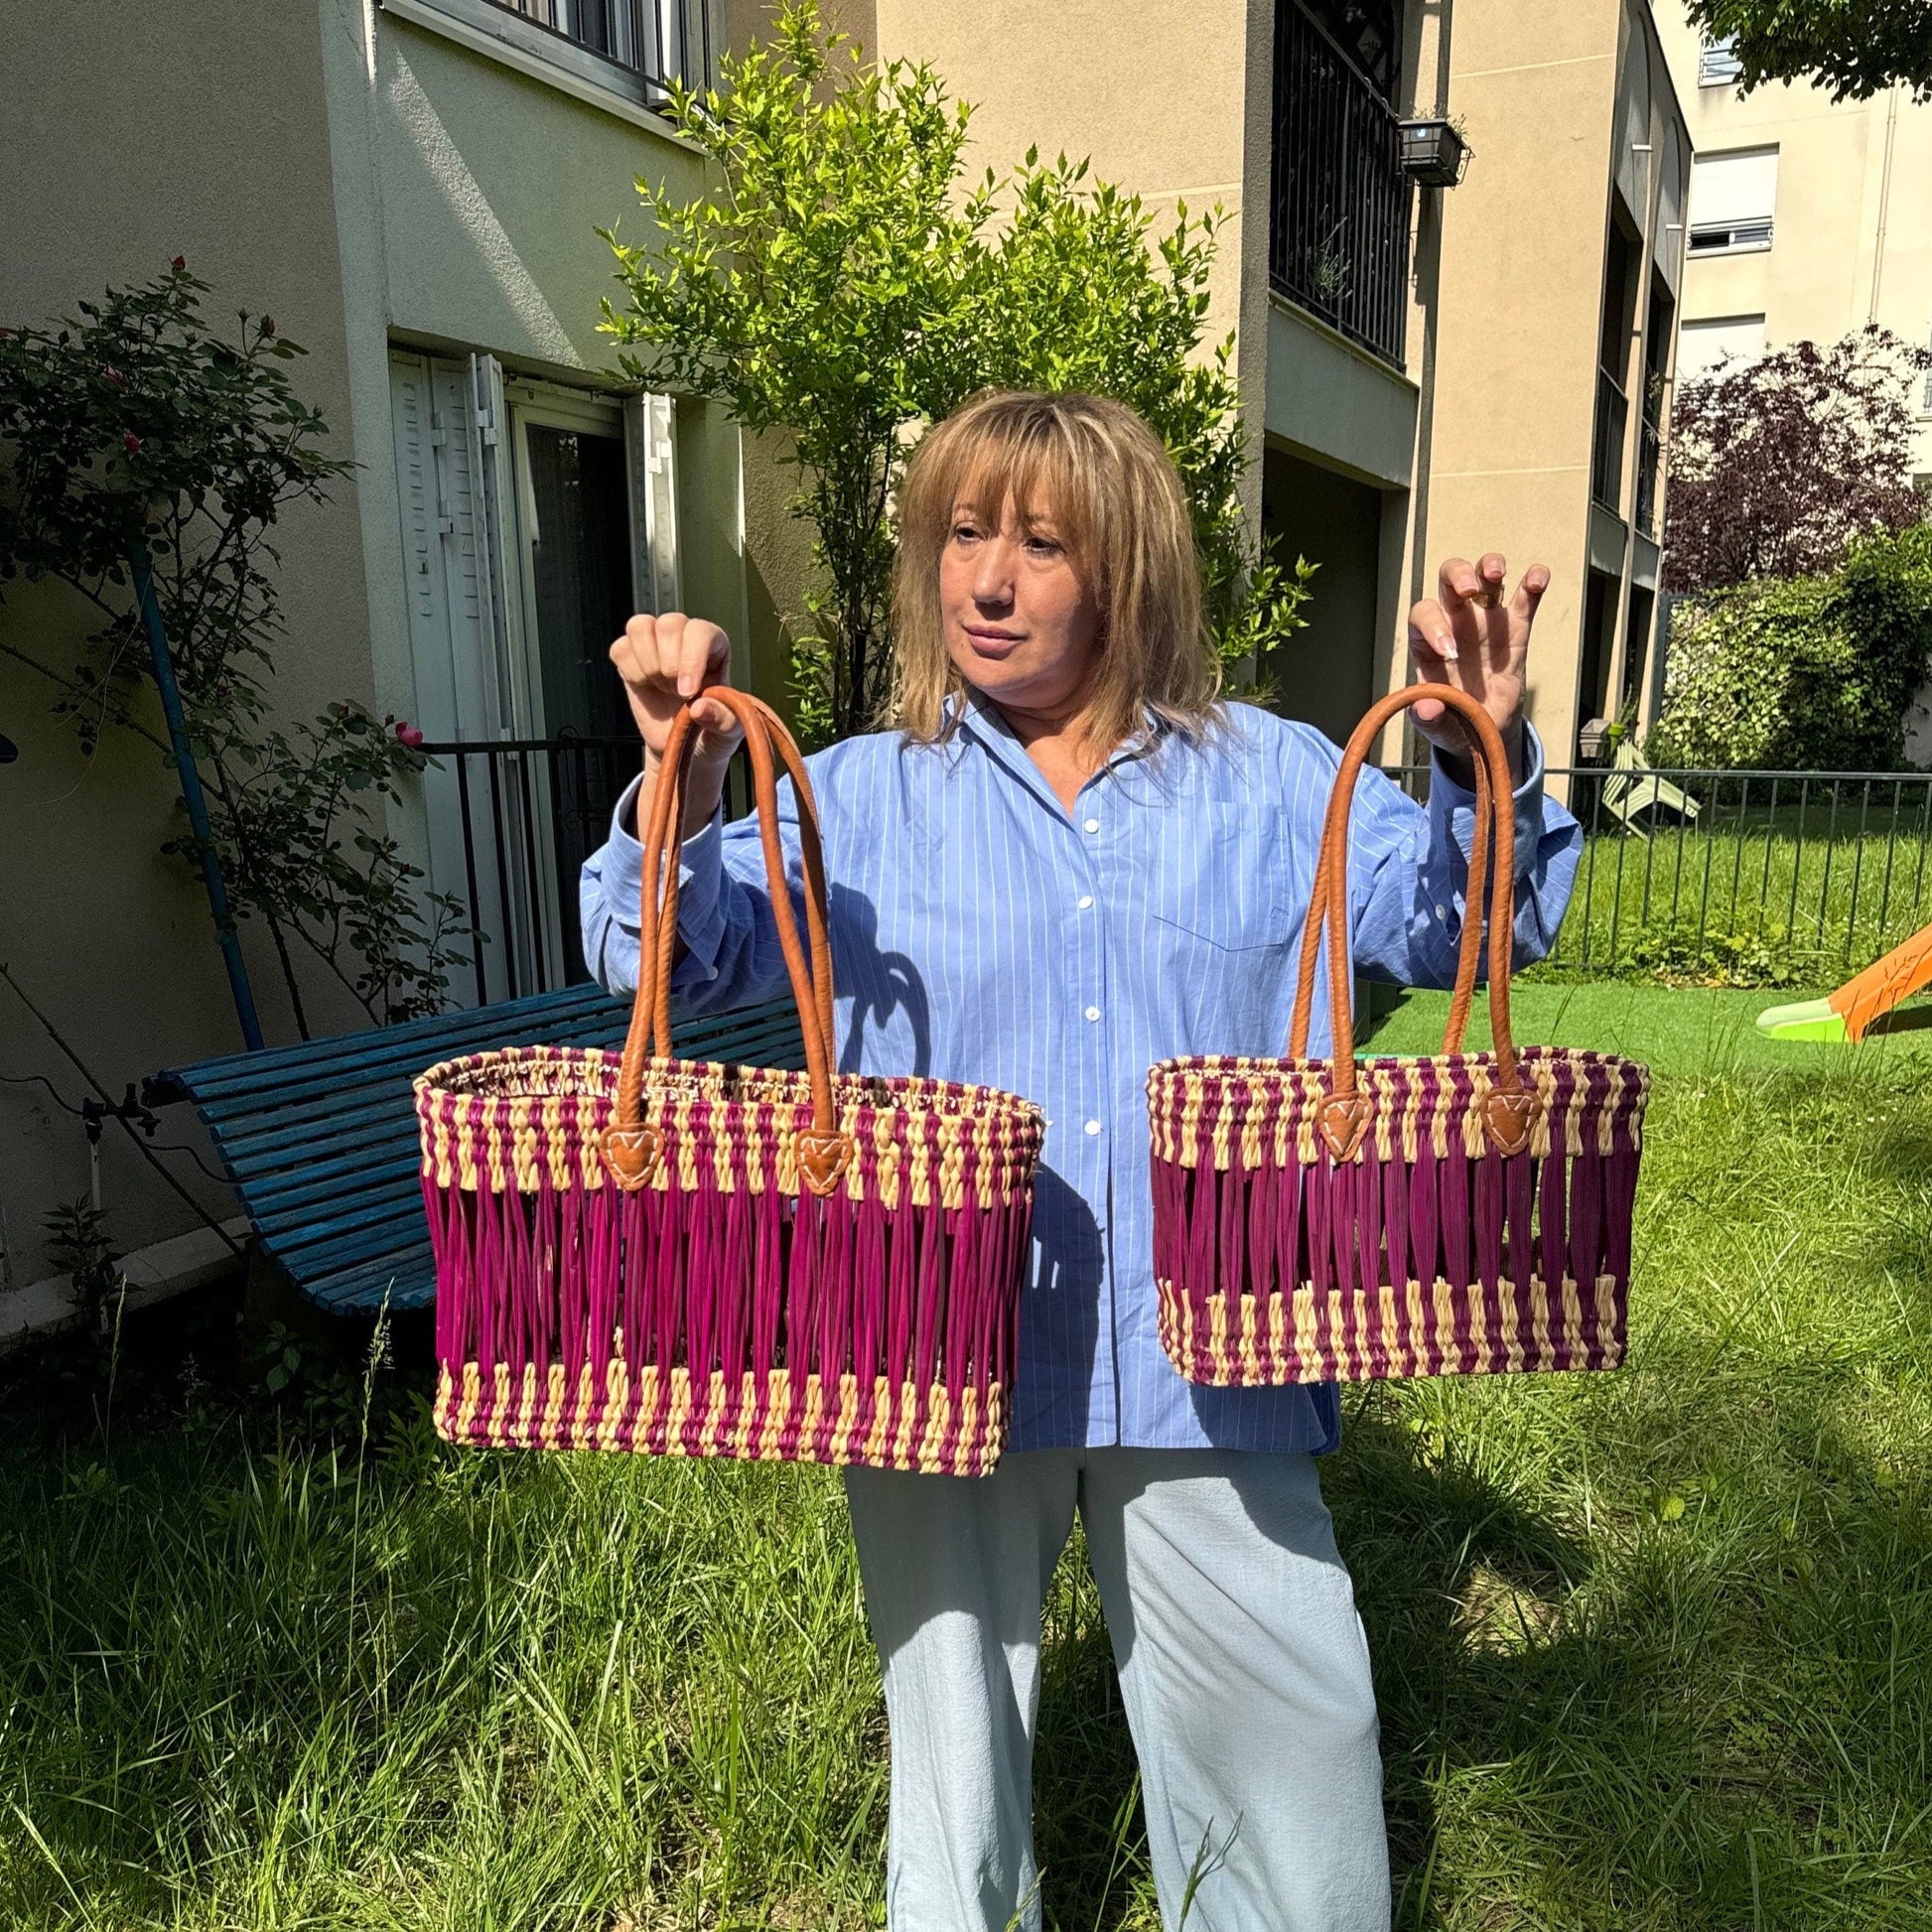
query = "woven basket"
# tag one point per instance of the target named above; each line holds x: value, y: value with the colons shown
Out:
x: 687, y: 1258
x: 1462, y: 1214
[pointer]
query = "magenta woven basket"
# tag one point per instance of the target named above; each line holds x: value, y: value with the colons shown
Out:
x: 1463, y: 1214
x: 680, y: 1258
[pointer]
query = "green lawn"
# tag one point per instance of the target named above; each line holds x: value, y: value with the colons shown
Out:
x: 1654, y: 1649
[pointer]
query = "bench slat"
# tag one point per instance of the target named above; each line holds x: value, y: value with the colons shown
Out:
x: 319, y: 1138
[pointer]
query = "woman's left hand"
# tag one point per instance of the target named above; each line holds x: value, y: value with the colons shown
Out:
x: 1472, y: 636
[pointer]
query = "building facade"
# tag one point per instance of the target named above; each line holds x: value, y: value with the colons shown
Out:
x: 1428, y: 370
x: 412, y: 187
x: 1809, y: 218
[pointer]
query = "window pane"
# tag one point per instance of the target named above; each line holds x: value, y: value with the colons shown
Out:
x: 1719, y: 64
x: 580, y: 559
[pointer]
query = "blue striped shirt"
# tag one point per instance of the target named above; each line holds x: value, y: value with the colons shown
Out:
x: 982, y: 932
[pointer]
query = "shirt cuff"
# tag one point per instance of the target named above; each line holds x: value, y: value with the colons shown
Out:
x: 1454, y: 806
x: 700, y: 880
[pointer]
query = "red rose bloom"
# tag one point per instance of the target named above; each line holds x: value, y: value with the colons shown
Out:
x: 409, y: 734
x: 130, y: 442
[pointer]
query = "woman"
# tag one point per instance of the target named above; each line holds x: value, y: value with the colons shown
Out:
x: 1065, y: 861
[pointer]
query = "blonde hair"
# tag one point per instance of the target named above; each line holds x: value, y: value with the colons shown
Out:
x: 1118, y: 506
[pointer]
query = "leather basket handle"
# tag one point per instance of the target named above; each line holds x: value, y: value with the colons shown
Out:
x: 1510, y: 1107
x: 633, y: 1150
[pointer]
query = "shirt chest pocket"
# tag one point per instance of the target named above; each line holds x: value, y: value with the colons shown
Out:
x: 1226, y: 900
x: 1228, y: 877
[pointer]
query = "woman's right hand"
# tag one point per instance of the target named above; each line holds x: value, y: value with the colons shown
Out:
x: 666, y: 661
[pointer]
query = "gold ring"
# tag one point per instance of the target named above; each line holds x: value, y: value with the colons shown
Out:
x: 1491, y: 597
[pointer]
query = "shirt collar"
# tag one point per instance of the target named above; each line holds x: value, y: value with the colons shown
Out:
x: 978, y: 717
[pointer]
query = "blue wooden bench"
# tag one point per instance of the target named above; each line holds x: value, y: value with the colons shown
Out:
x: 319, y: 1139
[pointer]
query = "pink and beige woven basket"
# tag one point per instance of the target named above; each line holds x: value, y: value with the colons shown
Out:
x: 1465, y: 1214
x: 673, y: 1258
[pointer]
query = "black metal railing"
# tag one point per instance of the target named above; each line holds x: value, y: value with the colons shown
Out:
x: 1775, y: 878
x: 1780, y: 878
x: 1339, y: 214
x: 654, y: 41
x: 509, y: 825
x: 1650, y: 475
x: 1606, y: 443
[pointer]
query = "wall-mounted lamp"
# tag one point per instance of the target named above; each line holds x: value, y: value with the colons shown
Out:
x: 1434, y: 154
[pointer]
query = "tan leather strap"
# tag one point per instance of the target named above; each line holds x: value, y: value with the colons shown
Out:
x: 633, y: 1149
x: 1510, y: 1107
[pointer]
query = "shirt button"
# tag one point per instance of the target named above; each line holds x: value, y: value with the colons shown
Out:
x: 1441, y: 912
x: 1093, y: 1127
x: 1093, y: 825
x: 1084, y: 902
x: 1093, y: 1012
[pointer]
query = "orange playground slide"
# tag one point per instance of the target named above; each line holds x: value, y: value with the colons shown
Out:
x: 1848, y: 1012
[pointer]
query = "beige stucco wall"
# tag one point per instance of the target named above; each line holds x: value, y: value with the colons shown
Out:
x: 131, y: 135
x: 1852, y: 235
x: 1556, y: 108
x: 362, y: 180
x: 1523, y: 243
x: 1159, y: 96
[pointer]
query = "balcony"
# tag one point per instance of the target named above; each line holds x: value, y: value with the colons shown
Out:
x: 1338, y: 214
x: 1606, y: 446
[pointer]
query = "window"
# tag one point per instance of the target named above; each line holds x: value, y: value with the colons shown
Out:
x: 628, y: 48
x: 1701, y: 345
x: 1733, y: 197
x: 534, y: 519
x: 1719, y: 64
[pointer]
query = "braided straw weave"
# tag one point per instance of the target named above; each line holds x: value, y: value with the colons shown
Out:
x: 1467, y: 1213
x: 678, y: 1258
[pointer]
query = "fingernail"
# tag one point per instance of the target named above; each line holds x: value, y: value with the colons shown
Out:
x: 1447, y: 646
x: 687, y: 686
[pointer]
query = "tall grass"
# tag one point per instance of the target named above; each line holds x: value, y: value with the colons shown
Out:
x: 1654, y: 1650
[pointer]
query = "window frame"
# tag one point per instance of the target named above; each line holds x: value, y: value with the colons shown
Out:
x: 1737, y: 235
x: 498, y: 31
x: 1718, y: 63
x: 1689, y: 324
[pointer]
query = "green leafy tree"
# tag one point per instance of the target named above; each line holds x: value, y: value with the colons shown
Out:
x: 1804, y: 673
x: 136, y: 422
x: 840, y: 284
x: 1855, y: 48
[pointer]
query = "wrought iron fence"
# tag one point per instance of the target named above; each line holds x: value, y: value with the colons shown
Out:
x: 657, y: 41
x: 1756, y: 877
x: 1760, y: 878
x: 1338, y: 213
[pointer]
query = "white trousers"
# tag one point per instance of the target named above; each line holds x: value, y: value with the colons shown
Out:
x: 1243, y: 1668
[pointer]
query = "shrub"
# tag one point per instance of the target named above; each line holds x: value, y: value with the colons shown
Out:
x: 1780, y: 463
x: 137, y: 424
x: 1810, y: 673
x: 842, y: 286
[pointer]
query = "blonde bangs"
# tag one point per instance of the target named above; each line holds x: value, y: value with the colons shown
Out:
x: 1117, y: 504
